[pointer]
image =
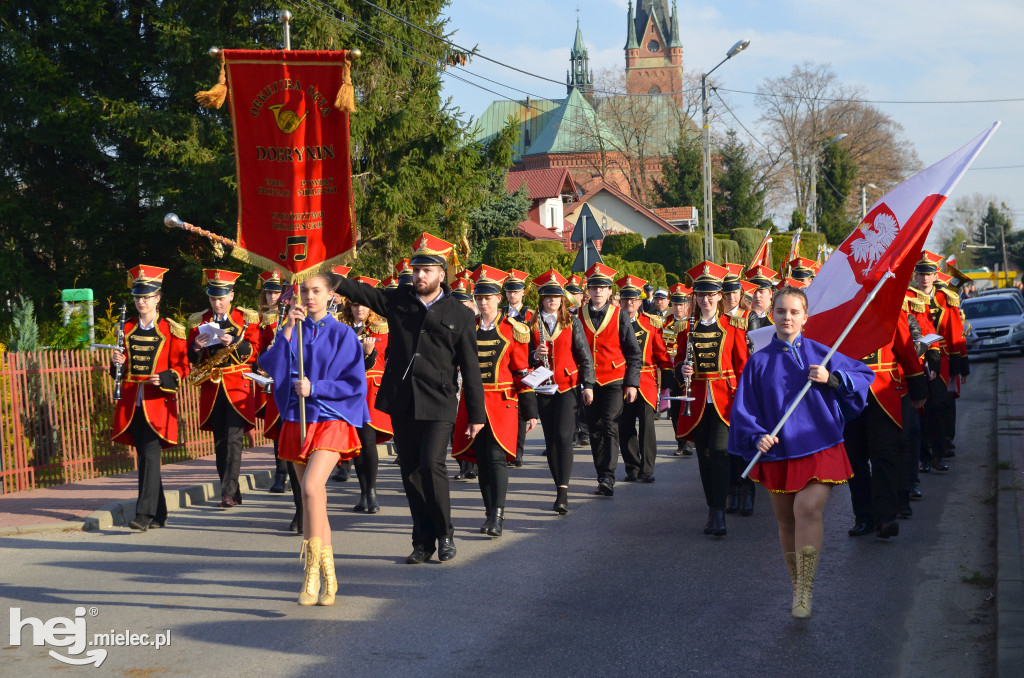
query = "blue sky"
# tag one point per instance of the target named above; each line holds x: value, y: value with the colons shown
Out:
x: 908, y: 50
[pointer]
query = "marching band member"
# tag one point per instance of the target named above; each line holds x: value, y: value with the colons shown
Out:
x: 515, y: 288
x: 580, y: 433
x: 343, y: 470
x: 678, y: 322
x: 462, y: 289
x: 875, y: 443
x: 558, y: 342
x: 269, y: 324
x: 763, y: 279
x: 146, y: 415
x: 802, y: 270
x: 503, y: 356
x: 720, y: 351
x: 944, y: 312
x: 372, y: 331
x: 801, y: 464
x: 639, y: 449
x: 733, y: 300
x: 269, y: 286
x: 431, y: 337
x: 227, y: 407
x: 332, y: 392
x: 617, y: 361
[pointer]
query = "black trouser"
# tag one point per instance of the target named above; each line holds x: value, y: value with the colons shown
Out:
x: 907, y: 475
x: 580, y: 430
x: 937, y: 427
x: 422, y: 448
x: 228, y: 430
x: 493, y: 470
x: 557, y: 413
x: 288, y: 467
x: 520, y: 439
x: 151, y: 502
x: 367, y: 462
x: 873, y: 437
x: 603, y: 421
x: 711, y: 437
x: 638, y: 449
x: 675, y: 407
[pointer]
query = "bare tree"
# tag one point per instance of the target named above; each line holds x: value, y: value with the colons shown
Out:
x: 809, y: 106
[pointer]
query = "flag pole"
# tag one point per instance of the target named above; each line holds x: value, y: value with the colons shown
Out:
x: 828, y: 356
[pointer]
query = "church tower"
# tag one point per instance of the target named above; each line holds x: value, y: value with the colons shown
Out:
x: 579, y: 76
x: 654, y: 51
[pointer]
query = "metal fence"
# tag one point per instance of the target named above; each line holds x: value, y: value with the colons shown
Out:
x: 56, y: 413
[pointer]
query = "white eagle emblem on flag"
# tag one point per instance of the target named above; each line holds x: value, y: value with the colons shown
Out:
x: 878, y: 235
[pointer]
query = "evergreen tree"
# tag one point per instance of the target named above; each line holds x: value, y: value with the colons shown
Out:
x: 994, y: 224
x: 740, y: 201
x: 836, y: 176
x: 682, y: 184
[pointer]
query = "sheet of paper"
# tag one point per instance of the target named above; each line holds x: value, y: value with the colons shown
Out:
x: 212, y: 331
x: 537, y: 377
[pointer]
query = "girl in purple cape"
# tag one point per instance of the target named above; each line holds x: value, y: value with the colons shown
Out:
x: 801, y: 464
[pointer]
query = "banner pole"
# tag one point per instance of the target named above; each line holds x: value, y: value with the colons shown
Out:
x: 286, y: 17
x: 828, y: 356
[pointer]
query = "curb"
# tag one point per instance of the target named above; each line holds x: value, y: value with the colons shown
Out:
x: 1009, y: 573
x: 120, y: 512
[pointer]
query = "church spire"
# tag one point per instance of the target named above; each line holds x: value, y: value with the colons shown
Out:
x: 631, y: 42
x: 676, y: 42
x: 580, y: 75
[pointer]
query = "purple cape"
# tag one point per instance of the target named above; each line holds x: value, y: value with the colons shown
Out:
x: 333, y: 363
x: 770, y: 381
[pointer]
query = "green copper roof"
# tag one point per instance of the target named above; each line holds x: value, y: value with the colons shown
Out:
x: 533, y: 116
x: 675, y: 42
x: 574, y: 128
x: 579, y: 48
x: 631, y: 42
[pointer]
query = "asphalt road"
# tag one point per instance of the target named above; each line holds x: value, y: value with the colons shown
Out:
x: 621, y: 586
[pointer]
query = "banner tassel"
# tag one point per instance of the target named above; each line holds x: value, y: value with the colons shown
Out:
x: 346, y: 99
x: 215, y: 96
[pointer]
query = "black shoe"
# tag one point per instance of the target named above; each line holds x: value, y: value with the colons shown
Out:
x: 605, y: 486
x: 630, y: 478
x: 746, y: 500
x: 154, y: 524
x: 860, y: 529
x: 341, y: 475
x: 561, y: 506
x: 372, y: 505
x: 889, y: 528
x: 718, y: 516
x: 470, y: 475
x: 445, y: 549
x: 509, y: 464
x: 584, y: 441
x: 916, y: 493
x: 709, y: 527
x: 904, y: 511
x: 732, y: 502
x: 488, y: 521
x: 680, y: 451
x: 688, y: 450
x: 296, y: 524
x: 419, y: 555
x: 518, y: 463
x: 497, y: 518
x: 280, y: 478
x: 646, y: 477
x: 460, y: 475
x: 140, y: 523
x: 940, y: 465
x: 926, y: 467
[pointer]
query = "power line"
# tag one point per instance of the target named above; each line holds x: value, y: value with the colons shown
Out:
x: 875, y: 101
x: 999, y: 167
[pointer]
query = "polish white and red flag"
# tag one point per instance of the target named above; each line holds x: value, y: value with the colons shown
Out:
x: 889, y: 238
x: 763, y: 254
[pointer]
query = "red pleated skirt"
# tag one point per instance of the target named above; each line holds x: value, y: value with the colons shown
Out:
x: 335, y: 436
x: 830, y: 466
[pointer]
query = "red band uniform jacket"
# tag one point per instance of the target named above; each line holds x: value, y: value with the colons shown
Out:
x: 720, y: 351
x: 237, y: 388
x: 647, y: 329
x: 606, y: 341
x: 898, y: 371
x: 568, y: 355
x: 374, y: 363
x: 159, y: 351
x: 504, y: 360
x: 266, y: 407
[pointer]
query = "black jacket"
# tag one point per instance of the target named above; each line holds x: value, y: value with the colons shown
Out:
x: 426, y: 350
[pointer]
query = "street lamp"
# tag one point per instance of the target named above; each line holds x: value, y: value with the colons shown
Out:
x: 709, y: 233
x: 812, y: 201
x: 864, y: 198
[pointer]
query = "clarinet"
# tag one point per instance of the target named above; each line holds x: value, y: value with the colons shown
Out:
x: 119, y: 368
x: 687, y: 382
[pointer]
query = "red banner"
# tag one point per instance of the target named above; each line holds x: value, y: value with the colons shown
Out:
x: 292, y: 159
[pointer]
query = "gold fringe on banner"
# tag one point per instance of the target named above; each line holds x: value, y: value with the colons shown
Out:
x: 215, y: 96
x: 346, y: 99
x: 268, y: 264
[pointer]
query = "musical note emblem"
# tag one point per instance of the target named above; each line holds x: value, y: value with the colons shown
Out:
x: 297, y: 241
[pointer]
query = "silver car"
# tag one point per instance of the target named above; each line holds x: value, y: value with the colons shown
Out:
x: 997, y: 324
